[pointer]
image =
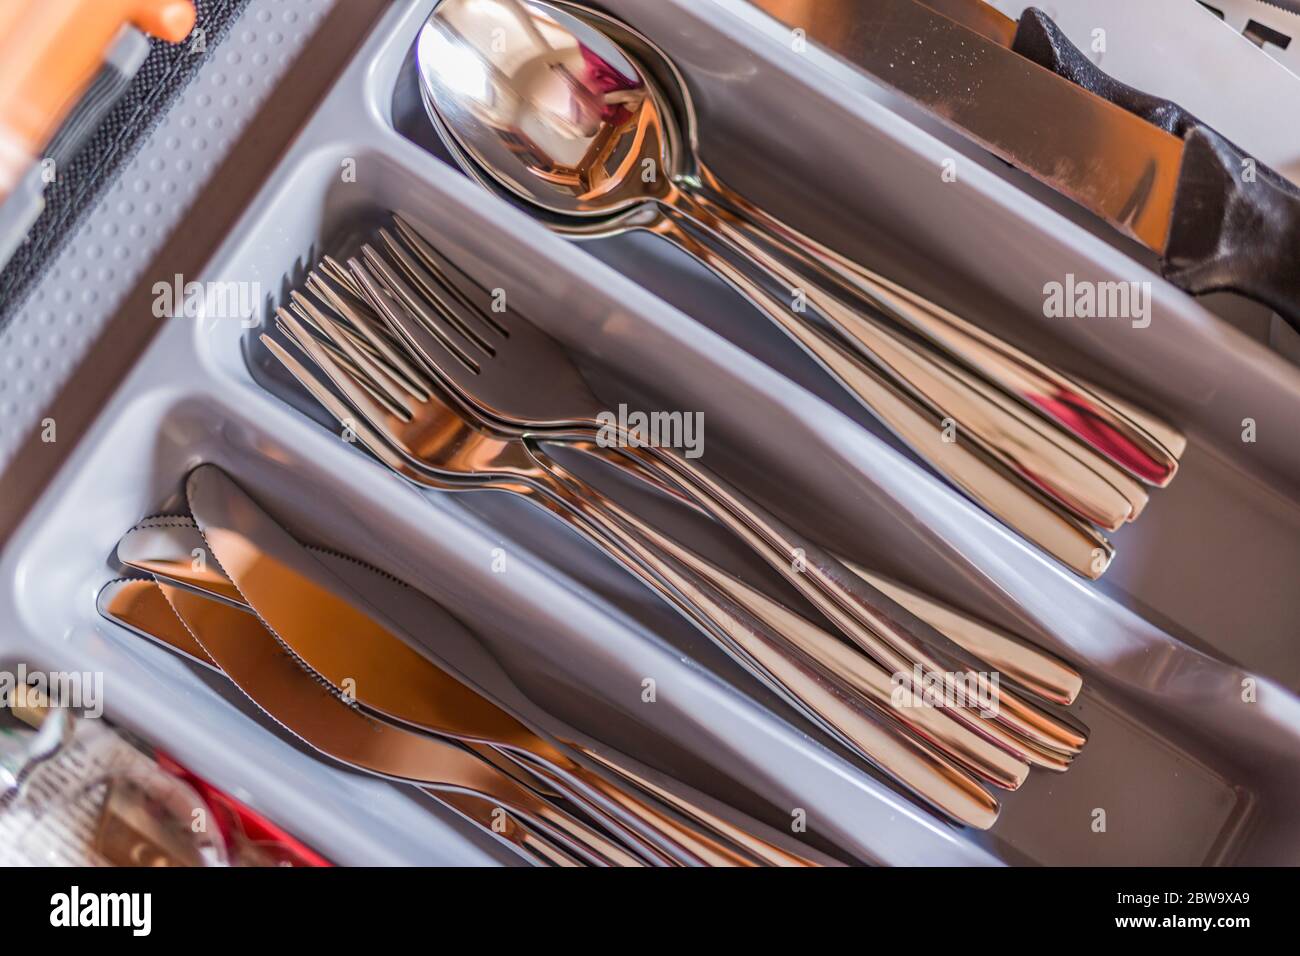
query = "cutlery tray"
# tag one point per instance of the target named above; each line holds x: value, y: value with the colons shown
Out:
x: 1188, y: 645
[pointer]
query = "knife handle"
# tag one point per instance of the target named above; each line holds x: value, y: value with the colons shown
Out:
x: 1040, y: 40
x: 1228, y: 232
x: 1232, y: 232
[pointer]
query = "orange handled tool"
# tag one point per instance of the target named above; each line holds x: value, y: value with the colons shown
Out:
x: 50, y: 51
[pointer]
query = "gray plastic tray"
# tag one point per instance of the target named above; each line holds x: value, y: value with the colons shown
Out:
x: 1185, y: 769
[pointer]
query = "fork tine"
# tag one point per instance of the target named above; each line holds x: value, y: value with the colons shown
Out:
x: 376, y: 333
x: 441, y: 293
x: 427, y: 340
x: 307, y: 311
x: 375, y: 371
x: 370, y: 436
x: 433, y: 293
x: 332, y: 268
x: 374, y: 413
x: 339, y: 356
x: 322, y: 285
x: 452, y: 276
x: 342, y: 360
x: 348, y: 301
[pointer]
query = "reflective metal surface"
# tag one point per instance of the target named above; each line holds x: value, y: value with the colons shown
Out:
x: 1029, y: 464
x: 1103, y: 157
x: 926, y: 774
x: 335, y: 632
x: 526, y: 382
x: 249, y: 655
x: 556, y: 114
x: 290, y: 696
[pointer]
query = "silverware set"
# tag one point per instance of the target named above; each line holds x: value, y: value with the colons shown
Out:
x: 583, y: 123
x: 299, y: 632
x: 576, y: 118
x: 401, y: 347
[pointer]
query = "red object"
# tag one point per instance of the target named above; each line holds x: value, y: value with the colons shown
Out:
x: 237, y: 822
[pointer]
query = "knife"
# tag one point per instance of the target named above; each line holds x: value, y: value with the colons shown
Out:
x: 1218, y: 220
x: 134, y: 604
x: 242, y: 649
x: 340, y: 635
x: 164, y: 551
x: 138, y: 604
x: 157, y: 549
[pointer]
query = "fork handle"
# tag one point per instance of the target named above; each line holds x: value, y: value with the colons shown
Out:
x: 864, y: 676
x: 878, y: 625
x: 1035, y: 670
x: 924, y: 772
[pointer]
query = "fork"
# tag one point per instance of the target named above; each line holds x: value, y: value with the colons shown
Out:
x: 924, y: 772
x: 1053, y: 739
x: 1035, y: 670
x: 526, y: 373
x: 505, y: 389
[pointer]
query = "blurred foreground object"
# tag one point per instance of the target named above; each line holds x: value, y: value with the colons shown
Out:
x: 63, y: 64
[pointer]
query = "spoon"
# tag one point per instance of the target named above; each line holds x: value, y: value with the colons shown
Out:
x: 540, y: 105
x: 1144, y: 447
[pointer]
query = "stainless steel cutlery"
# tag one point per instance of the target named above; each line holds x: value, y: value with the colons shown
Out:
x: 236, y: 643
x: 565, y: 120
x: 402, y: 350
x: 572, y: 115
x: 336, y: 637
x: 765, y: 653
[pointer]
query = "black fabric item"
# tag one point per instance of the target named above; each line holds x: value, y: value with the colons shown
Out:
x: 96, y: 165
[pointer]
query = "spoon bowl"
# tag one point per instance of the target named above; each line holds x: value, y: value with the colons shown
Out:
x: 547, y: 106
x: 563, y: 111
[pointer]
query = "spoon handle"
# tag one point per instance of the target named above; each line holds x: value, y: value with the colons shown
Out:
x: 1046, y: 458
x: 1135, y: 440
x: 1032, y: 514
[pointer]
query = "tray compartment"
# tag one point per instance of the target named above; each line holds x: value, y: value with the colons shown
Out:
x: 1168, y: 724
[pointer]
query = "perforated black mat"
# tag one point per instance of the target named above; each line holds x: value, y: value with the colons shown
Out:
x: 164, y: 73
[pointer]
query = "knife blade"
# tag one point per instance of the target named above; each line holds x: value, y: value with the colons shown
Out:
x: 177, y: 538
x: 1024, y: 93
x: 340, y: 635
x: 248, y: 654
x: 139, y: 605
